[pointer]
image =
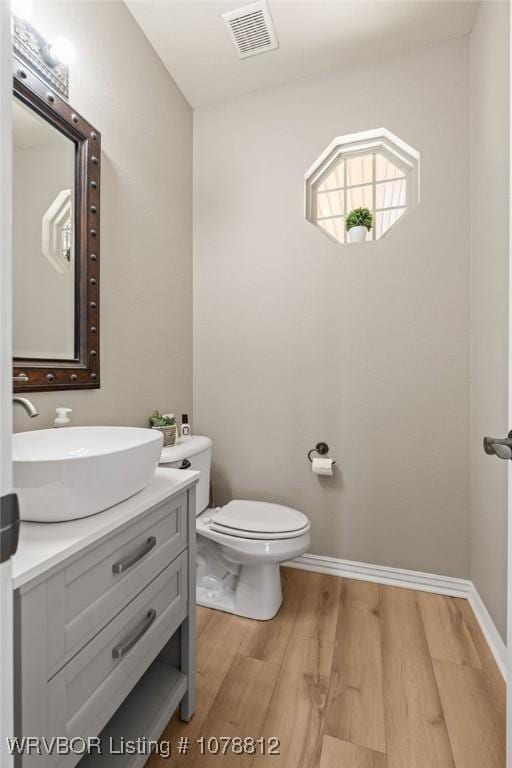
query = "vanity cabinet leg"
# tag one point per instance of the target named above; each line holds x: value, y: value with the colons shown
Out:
x: 188, y: 628
x: 188, y: 667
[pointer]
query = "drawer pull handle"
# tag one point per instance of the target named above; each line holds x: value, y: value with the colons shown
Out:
x: 143, y: 551
x: 120, y: 650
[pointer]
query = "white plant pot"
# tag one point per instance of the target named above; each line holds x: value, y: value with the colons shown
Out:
x: 357, y: 234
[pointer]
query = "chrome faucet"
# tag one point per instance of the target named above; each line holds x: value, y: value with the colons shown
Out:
x: 29, y: 407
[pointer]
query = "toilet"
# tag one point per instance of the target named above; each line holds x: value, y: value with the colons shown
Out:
x: 241, y: 545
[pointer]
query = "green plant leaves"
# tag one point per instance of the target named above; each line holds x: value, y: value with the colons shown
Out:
x: 359, y: 217
x: 157, y: 420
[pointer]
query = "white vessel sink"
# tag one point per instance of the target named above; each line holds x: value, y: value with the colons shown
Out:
x: 63, y: 474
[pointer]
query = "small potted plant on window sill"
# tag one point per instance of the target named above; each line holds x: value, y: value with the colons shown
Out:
x: 358, y: 223
x: 166, y: 423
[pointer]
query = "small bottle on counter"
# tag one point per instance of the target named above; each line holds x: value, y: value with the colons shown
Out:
x: 185, y: 426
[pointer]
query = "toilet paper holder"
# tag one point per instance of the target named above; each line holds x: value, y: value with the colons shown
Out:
x: 321, y: 449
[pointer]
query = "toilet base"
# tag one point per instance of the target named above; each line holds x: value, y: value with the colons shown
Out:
x: 242, y: 575
x: 254, y: 592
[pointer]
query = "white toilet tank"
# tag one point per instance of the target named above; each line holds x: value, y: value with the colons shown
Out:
x: 194, y: 452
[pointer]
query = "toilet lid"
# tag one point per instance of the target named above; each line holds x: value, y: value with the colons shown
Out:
x: 259, y: 517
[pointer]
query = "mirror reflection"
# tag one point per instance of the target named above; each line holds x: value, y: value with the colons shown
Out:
x: 43, y: 238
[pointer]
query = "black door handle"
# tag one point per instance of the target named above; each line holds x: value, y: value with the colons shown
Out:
x: 9, y: 526
x: 502, y: 448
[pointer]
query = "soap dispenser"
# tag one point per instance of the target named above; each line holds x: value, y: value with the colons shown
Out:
x: 62, y: 417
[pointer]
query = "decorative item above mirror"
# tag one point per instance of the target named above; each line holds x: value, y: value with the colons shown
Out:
x: 33, y: 49
x: 56, y: 235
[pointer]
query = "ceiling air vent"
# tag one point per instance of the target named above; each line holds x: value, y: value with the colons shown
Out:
x: 251, y: 29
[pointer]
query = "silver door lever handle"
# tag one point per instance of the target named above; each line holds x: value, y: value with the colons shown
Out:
x: 502, y: 448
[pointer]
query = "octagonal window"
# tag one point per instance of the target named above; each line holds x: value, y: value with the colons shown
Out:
x: 362, y: 185
x: 57, y: 232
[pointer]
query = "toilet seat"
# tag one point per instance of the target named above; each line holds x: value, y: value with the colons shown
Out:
x: 259, y: 520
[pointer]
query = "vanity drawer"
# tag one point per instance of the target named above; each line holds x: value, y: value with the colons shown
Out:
x: 83, y: 696
x: 82, y: 597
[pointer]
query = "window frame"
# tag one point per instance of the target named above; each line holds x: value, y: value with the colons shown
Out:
x: 379, y: 141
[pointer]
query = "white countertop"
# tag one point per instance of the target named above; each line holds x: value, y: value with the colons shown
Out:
x: 44, y: 545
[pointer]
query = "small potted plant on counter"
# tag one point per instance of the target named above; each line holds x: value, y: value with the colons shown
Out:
x: 166, y: 423
x: 358, y: 223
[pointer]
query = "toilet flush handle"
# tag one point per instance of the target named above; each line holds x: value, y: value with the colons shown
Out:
x: 185, y: 464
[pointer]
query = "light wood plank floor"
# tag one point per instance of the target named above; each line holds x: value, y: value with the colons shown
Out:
x: 349, y: 674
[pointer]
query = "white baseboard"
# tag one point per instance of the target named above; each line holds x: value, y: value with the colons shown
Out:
x: 488, y: 627
x: 424, y: 582
x: 383, y: 574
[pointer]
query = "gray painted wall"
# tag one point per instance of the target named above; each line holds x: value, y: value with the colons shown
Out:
x: 298, y: 339
x: 489, y: 301
x: 120, y: 85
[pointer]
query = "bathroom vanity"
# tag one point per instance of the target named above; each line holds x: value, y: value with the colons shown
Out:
x: 105, y: 623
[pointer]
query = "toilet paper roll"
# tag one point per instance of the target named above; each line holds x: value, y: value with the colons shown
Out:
x: 322, y: 466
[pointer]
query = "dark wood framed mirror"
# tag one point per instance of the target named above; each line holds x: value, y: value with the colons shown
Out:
x: 56, y: 240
